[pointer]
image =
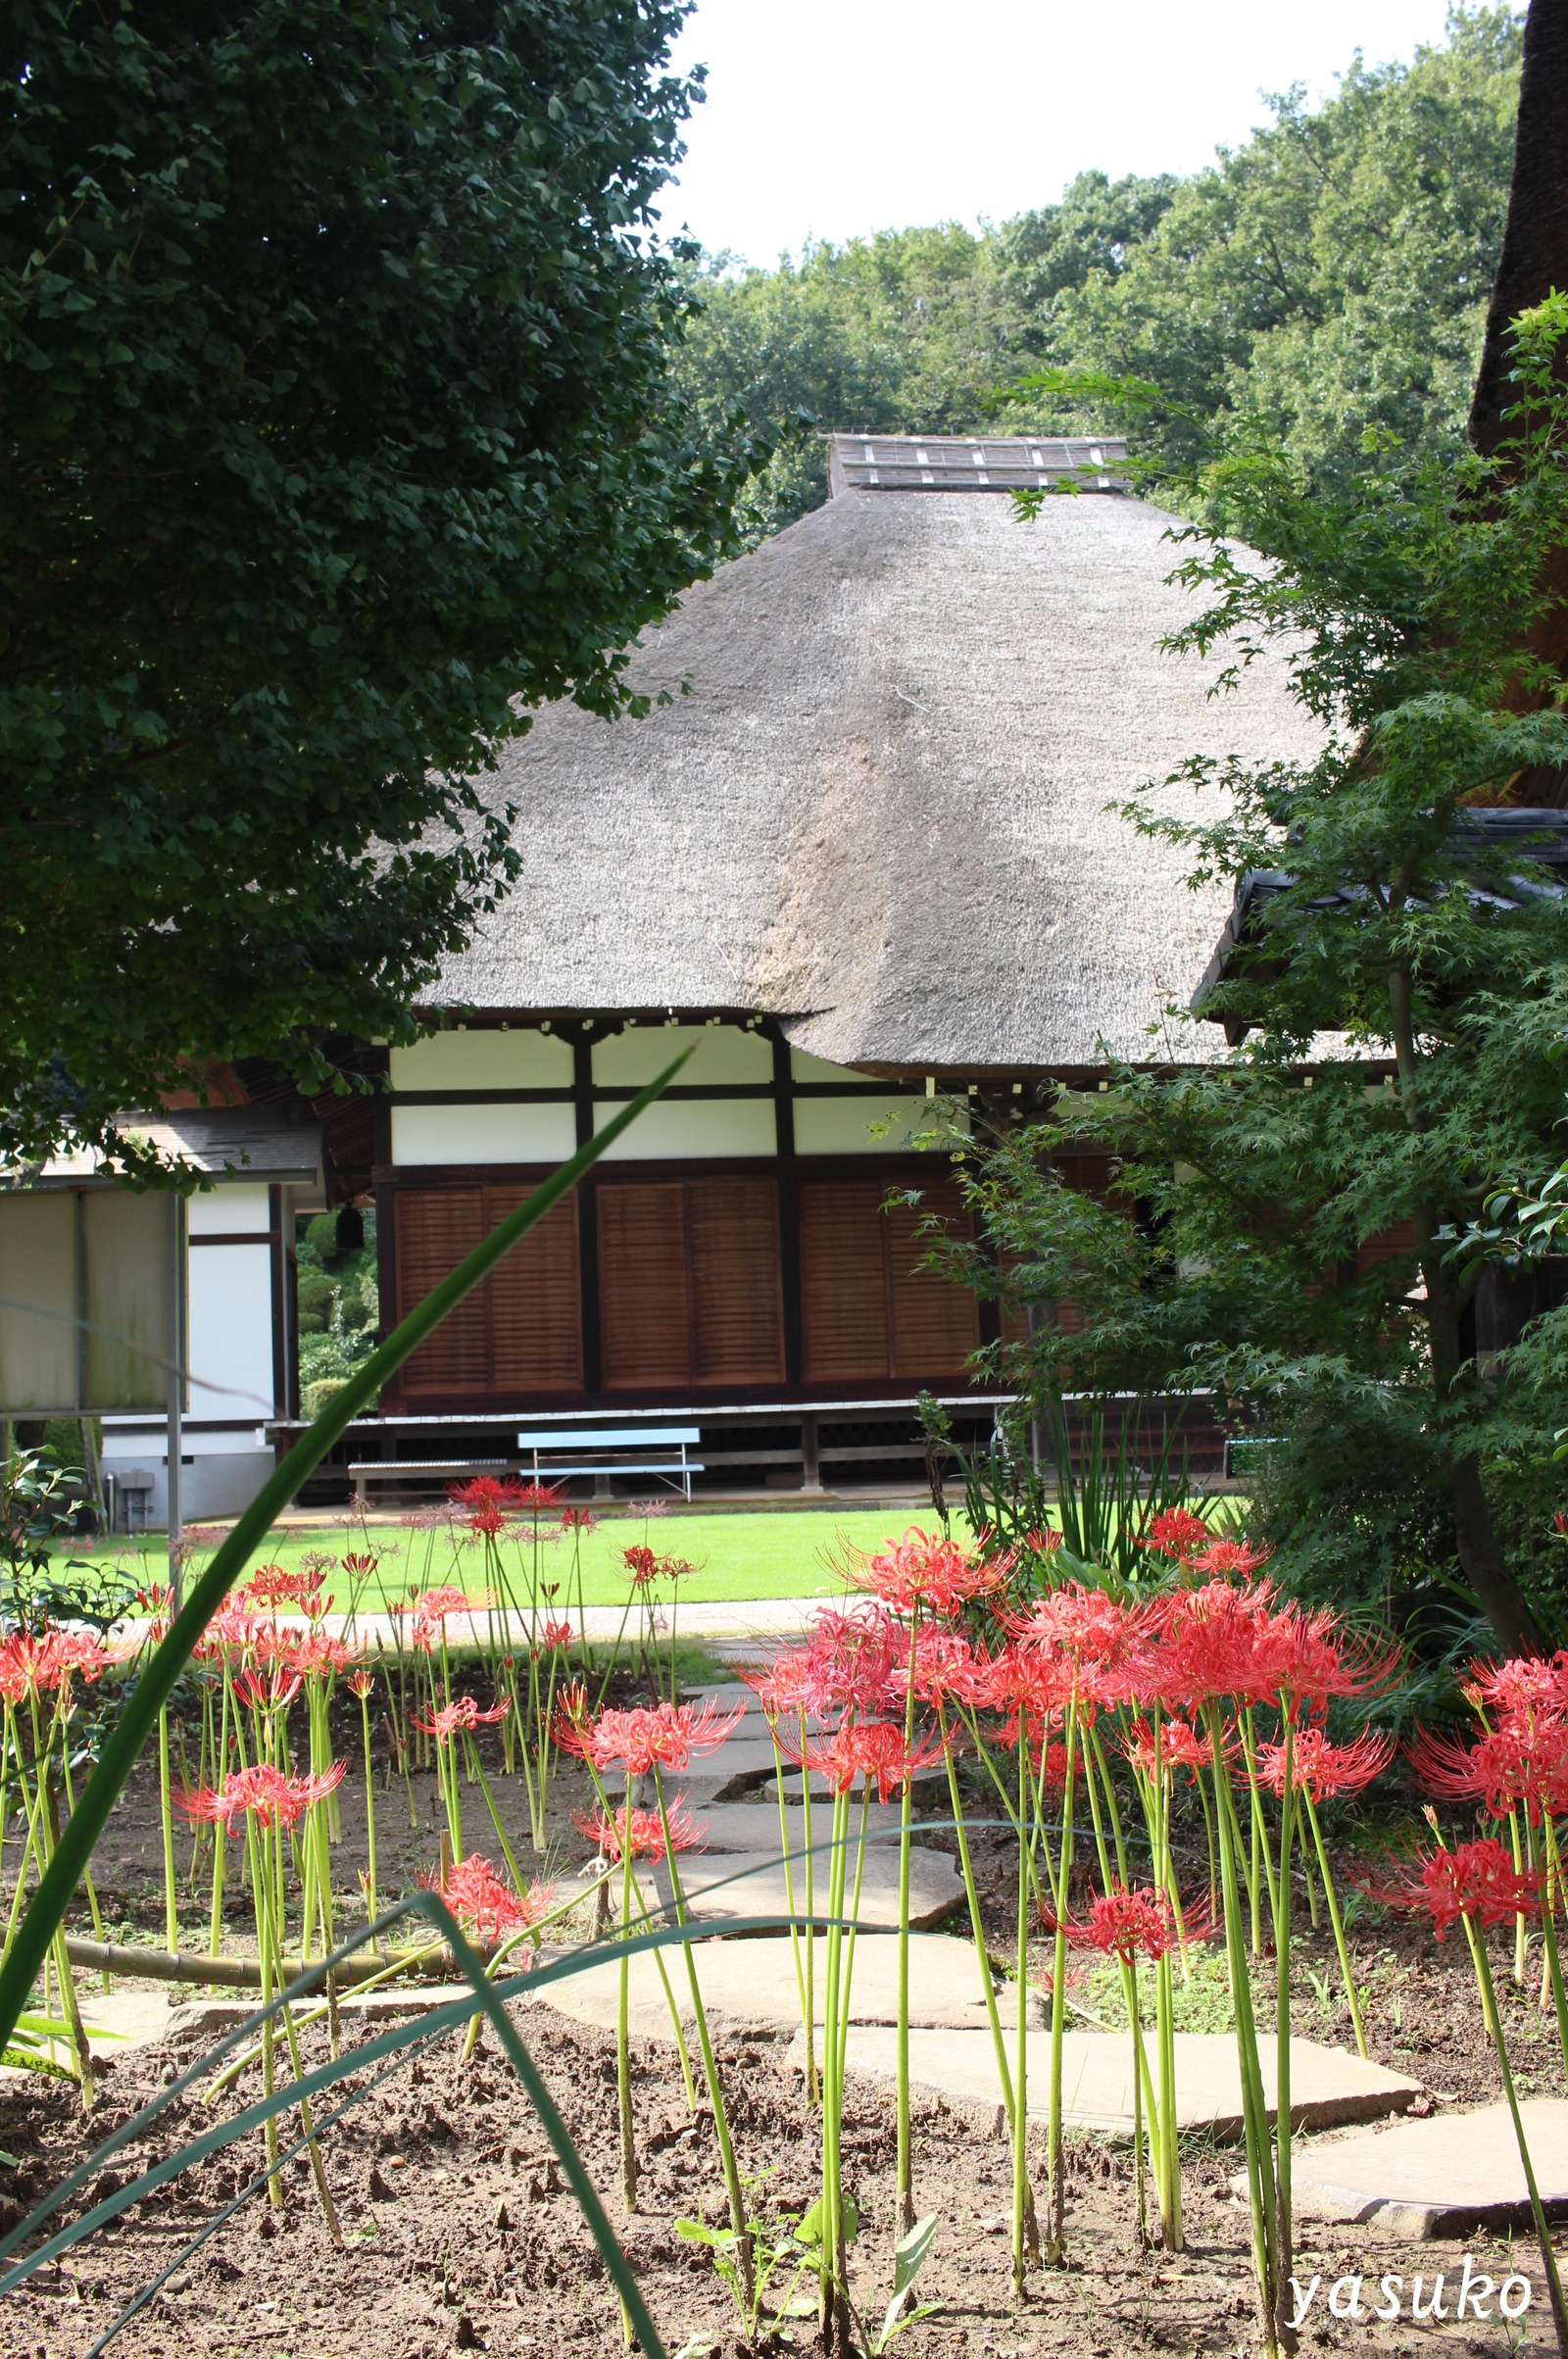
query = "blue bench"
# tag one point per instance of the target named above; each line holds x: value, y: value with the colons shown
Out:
x: 605, y: 1450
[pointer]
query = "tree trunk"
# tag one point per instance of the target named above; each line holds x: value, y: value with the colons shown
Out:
x: 1481, y: 1555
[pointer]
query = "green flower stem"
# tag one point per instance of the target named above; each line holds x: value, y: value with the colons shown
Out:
x: 1055, y: 2239
x: 1331, y: 1902
x: 715, y: 2091
x: 1549, y: 2257
x: 903, y: 2193
x: 369, y: 1809
x: 165, y: 1804
x: 1254, y: 2109
x: 1285, y: 2257
x: 1548, y: 1933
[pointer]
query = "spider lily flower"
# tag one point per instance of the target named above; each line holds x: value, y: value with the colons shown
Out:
x: 946, y: 1669
x: 1177, y: 1533
x: 850, y: 1662
x: 1476, y: 1880
x: 1316, y: 1658
x: 873, y: 1749
x: 273, y: 1585
x: 484, y: 1903
x: 264, y: 1793
x: 1176, y: 1746
x: 578, y: 1519
x: 555, y: 1636
x: 1042, y: 1544
x: 1096, y: 1638
x: 1517, y: 1764
x: 1526, y: 1688
x: 925, y: 1574
x: 1230, y: 1559
x: 1323, y: 1770
x: 269, y: 1688
x: 311, y: 1652
x: 1213, y: 1641
x: 432, y: 1610
x: 360, y: 1682
x: 640, y: 1833
x: 642, y: 1565
x: 1132, y: 1923
x: 662, y: 1735
x: 461, y: 1713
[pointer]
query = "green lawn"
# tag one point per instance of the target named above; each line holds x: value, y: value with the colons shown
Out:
x: 781, y: 1553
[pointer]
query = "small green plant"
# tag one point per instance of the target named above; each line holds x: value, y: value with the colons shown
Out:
x: 776, y: 2246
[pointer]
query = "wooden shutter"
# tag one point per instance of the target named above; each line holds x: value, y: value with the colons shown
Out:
x: 843, y: 1311
x: 433, y: 1228
x: 935, y: 1323
x: 521, y: 1330
x: 644, y: 1286
x: 533, y: 1301
x: 737, y: 1298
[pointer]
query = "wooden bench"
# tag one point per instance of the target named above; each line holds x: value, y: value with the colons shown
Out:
x: 365, y: 1471
x: 605, y: 1450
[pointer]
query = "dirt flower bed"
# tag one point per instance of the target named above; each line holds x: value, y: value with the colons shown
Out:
x: 459, y: 2234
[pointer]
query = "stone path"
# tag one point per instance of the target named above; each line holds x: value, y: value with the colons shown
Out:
x: 1328, y: 2085
x: 751, y: 1985
x: 752, y: 1884
x: 1446, y: 2177
x: 754, y: 1826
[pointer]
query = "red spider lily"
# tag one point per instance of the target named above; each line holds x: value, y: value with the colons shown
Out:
x: 641, y: 1833
x: 533, y: 1495
x: 486, y: 1905
x: 1525, y: 1687
x: 360, y: 1682
x: 578, y: 1519
x: 662, y: 1735
x: 1042, y: 1544
x: 232, y: 1630
x: 1319, y: 1768
x: 946, y: 1669
x: 1100, y: 1640
x: 1316, y: 1658
x: 850, y: 1662
x: 1031, y: 1690
x: 360, y: 1568
x: 1513, y: 1765
x: 1176, y: 1533
x: 461, y: 1712
x: 676, y: 1568
x: 642, y: 1564
x: 1179, y: 1748
x: 572, y: 1704
x: 267, y: 1794
x: 34, y: 1665
x: 780, y: 1686
x: 873, y: 1749
x: 922, y: 1573
x: 1123, y: 1924
x: 271, y: 1689
x: 432, y: 1610
x: 313, y: 1653
x: 273, y: 1585
x: 1232, y: 1560
x: 1216, y: 1641
x: 1473, y: 1880
x: 554, y: 1635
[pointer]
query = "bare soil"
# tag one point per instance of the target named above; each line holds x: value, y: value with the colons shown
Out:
x: 459, y: 2234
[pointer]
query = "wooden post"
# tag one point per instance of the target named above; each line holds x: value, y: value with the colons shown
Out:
x: 810, y: 1461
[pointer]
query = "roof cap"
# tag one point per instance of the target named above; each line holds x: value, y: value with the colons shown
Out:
x: 972, y: 462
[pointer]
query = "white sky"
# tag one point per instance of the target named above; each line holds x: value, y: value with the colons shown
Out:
x: 829, y: 119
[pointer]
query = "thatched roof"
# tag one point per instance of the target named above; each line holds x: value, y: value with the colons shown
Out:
x: 880, y: 811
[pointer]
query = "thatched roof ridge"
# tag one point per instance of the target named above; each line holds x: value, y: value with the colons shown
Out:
x: 880, y: 811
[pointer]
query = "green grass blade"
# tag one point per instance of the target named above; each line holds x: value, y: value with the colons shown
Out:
x: 138, y: 1714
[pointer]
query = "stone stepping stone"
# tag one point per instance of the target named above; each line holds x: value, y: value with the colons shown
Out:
x: 751, y: 1984
x: 754, y: 1826
x: 752, y: 1884
x: 1451, y: 2176
x: 1328, y: 2085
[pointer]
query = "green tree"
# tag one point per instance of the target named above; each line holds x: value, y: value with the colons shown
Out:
x: 338, y: 433
x: 1329, y: 270
x: 1331, y: 273
x: 1401, y: 991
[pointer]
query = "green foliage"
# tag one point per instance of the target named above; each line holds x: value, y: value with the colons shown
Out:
x: 1330, y: 271
x: 340, y: 432
x: 339, y: 1308
x: 40, y: 1497
x: 1293, y: 1228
